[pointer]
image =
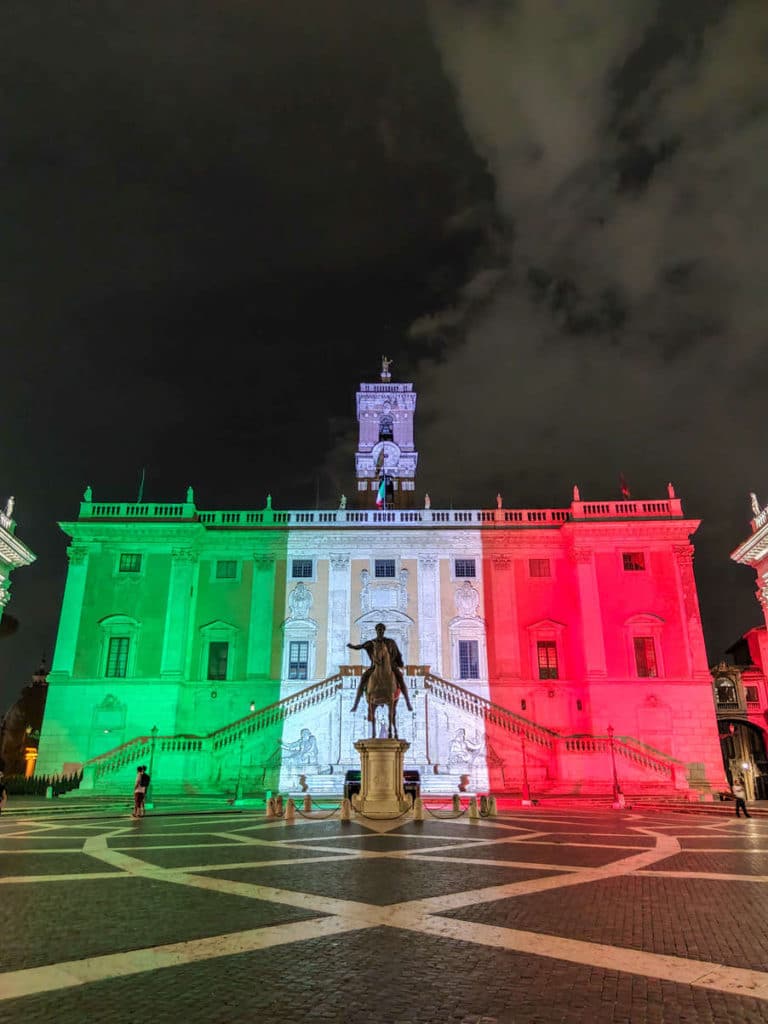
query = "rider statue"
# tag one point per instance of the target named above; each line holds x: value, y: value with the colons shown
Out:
x: 396, y: 660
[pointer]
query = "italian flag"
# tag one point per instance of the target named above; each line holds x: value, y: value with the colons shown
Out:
x: 382, y: 492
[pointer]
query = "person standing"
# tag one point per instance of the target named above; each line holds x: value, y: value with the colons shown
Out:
x: 140, y: 791
x: 740, y: 796
x: 3, y: 793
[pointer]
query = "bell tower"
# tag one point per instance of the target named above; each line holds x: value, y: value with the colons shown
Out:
x: 385, y: 461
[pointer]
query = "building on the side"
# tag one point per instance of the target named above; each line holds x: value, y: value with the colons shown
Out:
x: 741, y: 680
x: 559, y: 646
x: 13, y: 553
x: 20, y: 726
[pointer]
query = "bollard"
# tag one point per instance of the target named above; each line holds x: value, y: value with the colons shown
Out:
x: 456, y: 803
x: 290, y: 809
x: 474, y: 814
x: 483, y: 806
x: 279, y: 806
x: 418, y: 809
x: 492, y: 808
x: 270, y: 807
x: 307, y: 803
x: 346, y: 810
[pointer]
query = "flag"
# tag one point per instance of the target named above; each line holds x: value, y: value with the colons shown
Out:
x: 380, y: 460
x: 381, y: 496
x: 625, y: 492
x: 141, y: 486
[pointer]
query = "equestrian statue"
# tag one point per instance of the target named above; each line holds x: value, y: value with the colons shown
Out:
x: 382, y: 682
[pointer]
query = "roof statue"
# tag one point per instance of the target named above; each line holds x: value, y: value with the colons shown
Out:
x: 9, y: 507
x: 190, y: 496
x: 576, y: 495
x: 499, y: 501
x: 671, y: 489
x: 385, y: 365
x: 755, y: 503
x: 88, y: 493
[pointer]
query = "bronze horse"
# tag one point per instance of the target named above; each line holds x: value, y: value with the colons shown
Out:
x: 382, y: 689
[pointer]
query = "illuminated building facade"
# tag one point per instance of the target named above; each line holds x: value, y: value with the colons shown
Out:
x: 13, y: 553
x: 214, y: 642
x: 741, y: 686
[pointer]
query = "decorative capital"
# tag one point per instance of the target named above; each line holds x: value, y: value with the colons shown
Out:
x: 183, y: 555
x: 264, y: 562
x: 683, y: 554
x: 581, y: 556
x: 339, y: 562
x: 77, y: 554
x: 428, y: 562
x: 501, y: 563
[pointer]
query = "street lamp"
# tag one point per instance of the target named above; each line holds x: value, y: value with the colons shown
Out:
x: 149, y: 804
x: 613, y: 765
x: 526, y: 787
x: 239, y: 785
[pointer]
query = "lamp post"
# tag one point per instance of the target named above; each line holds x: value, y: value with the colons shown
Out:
x: 526, y: 787
x: 239, y: 785
x: 149, y: 804
x: 613, y: 765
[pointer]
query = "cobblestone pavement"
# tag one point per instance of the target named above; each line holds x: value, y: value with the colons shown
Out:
x: 535, y: 916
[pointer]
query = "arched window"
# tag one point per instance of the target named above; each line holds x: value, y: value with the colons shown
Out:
x: 119, y: 639
x: 386, y: 428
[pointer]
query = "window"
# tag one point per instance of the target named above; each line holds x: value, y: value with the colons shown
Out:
x: 218, y: 656
x: 301, y: 569
x: 469, y: 664
x: 751, y: 694
x: 464, y: 568
x: 579, y: 706
x: 384, y: 568
x: 386, y: 428
x: 523, y: 705
x: 130, y: 563
x: 226, y: 570
x: 298, y: 659
x: 645, y: 656
x: 538, y: 567
x: 546, y: 652
x: 117, y: 657
x: 634, y: 561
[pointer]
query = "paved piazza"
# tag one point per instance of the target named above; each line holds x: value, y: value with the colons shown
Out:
x: 534, y: 916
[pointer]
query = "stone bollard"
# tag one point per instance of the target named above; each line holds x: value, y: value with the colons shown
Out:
x: 483, y: 806
x: 307, y: 803
x: 493, y: 810
x: 271, y: 807
x: 279, y: 806
x: 456, y: 803
x: 290, y: 809
x: 474, y: 814
x: 418, y: 809
x: 346, y: 810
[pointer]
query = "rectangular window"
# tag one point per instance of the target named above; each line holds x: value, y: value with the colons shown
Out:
x: 634, y: 561
x: 539, y: 567
x: 645, y: 657
x: 130, y: 563
x: 469, y: 663
x: 546, y: 652
x: 226, y: 570
x: 301, y: 569
x: 218, y: 656
x: 464, y: 568
x: 384, y: 568
x: 298, y: 659
x: 751, y: 694
x: 117, y: 657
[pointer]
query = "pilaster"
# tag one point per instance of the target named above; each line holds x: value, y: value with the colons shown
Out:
x: 339, y: 622
x: 504, y: 633
x: 71, y: 613
x: 695, y: 649
x: 180, y: 584
x: 591, y: 613
x: 258, y: 664
x: 428, y: 598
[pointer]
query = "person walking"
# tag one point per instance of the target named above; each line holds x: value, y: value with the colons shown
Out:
x: 740, y: 796
x: 140, y: 791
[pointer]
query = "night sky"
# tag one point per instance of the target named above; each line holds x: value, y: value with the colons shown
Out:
x: 217, y: 217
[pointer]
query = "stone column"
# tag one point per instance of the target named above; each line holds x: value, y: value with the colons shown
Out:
x: 71, y: 611
x: 591, y: 619
x: 182, y: 577
x: 259, y: 662
x: 505, y: 633
x: 338, y: 613
x: 428, y: 598
x: 696, y: 651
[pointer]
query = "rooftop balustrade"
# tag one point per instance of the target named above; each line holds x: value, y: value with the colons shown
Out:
x: 411, y: 518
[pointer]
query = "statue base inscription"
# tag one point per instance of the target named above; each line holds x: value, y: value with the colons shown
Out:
x: 381, y: 785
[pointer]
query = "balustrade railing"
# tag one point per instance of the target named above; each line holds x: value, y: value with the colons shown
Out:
x: 622, y: 748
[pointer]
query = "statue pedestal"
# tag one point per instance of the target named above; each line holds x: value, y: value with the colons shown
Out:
x: 381, y: 785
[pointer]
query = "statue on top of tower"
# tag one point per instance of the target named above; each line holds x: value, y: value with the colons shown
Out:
x: 385, y: 365
x: 755, y: 503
